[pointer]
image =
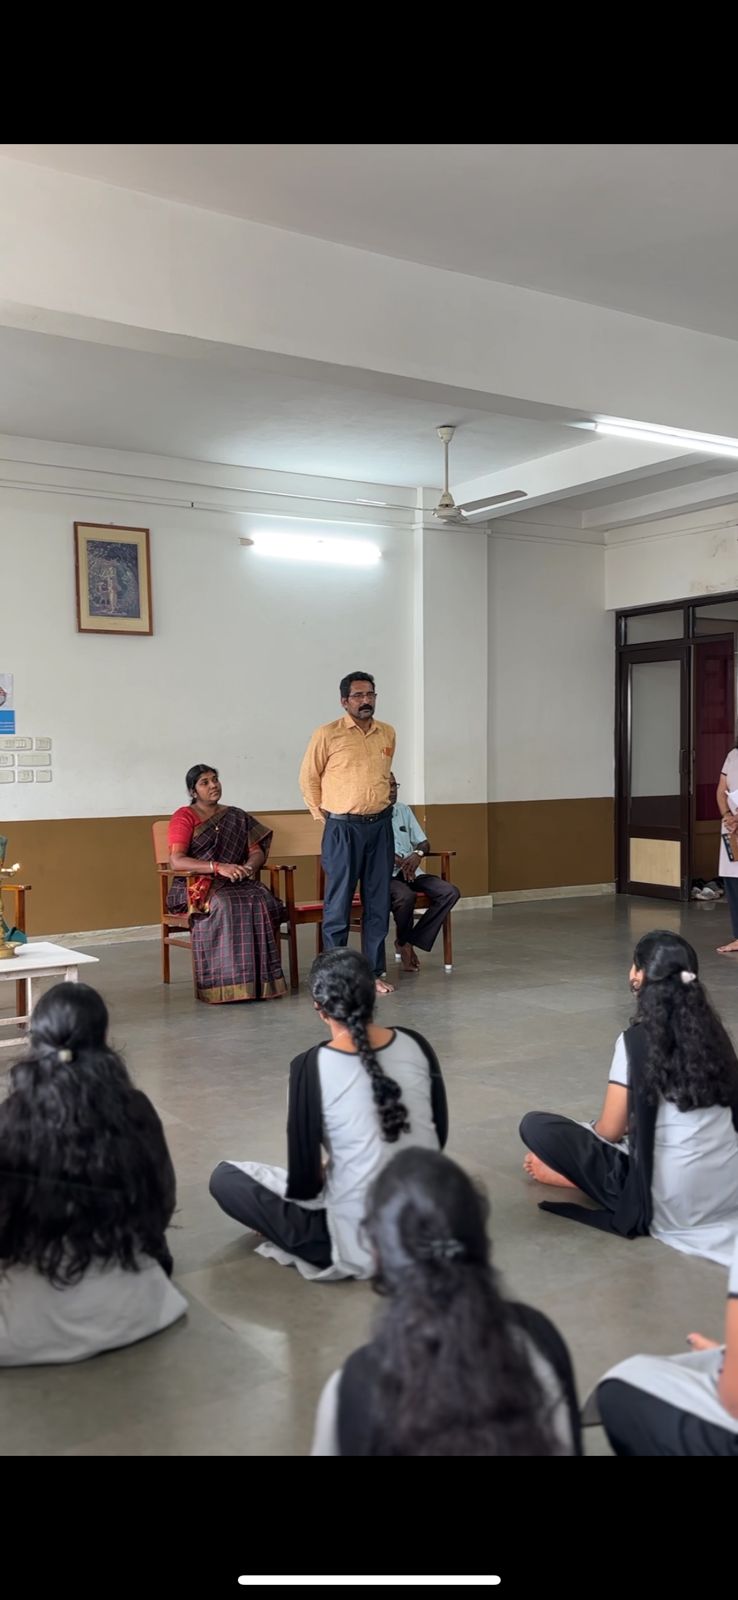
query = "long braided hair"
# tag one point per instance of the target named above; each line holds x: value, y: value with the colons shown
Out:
x: 343, y: 987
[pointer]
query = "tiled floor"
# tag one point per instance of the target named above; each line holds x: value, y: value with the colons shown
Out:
x: 527, y: 1019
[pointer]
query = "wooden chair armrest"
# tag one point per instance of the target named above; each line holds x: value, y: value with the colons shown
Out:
x: 281, y: 866
x: 181, y: 872
x: 15, y: 888
x: 444, y: 856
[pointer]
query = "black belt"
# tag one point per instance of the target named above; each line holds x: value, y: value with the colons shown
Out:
x: 359, y: 816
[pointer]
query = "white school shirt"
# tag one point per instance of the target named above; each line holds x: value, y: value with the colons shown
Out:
x: 726, y: 868
x: 695, y: 1174
x: 109, y: 1307
x: 687, y: 1381
x: 351, y: 1133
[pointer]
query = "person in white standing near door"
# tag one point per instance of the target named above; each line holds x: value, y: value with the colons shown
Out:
x: 727, y: 800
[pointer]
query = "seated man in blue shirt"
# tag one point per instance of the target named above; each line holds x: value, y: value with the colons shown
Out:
x: 410, y: 847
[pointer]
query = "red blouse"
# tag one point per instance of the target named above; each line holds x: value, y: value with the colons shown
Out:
x: 181, y: 828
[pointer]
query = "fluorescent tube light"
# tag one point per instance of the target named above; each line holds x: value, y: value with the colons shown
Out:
x: 315, y: 548
x: 653, y: 433
x: 371, y: 502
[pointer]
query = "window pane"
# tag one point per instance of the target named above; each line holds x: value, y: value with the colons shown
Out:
x: 721, y: 616
x: 655, y: 744
x: 653, y: 625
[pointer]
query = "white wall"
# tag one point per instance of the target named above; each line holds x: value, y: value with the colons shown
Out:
x: 673, y: 558
x: 551, y: 671
x: 453, y: 671
x: 244, y: 661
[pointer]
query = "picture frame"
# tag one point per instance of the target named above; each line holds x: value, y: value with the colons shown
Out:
x: 113, y: 579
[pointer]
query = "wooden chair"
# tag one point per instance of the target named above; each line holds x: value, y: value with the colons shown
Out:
x: 421, y: 902
x: 302, y: 836
x: 172, y: 922
x: 18, y: 920
x: 294, y: 836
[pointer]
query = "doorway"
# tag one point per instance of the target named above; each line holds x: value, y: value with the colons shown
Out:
x: 675, y: 723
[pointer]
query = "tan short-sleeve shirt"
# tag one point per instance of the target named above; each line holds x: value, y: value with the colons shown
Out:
x: 347, y: 770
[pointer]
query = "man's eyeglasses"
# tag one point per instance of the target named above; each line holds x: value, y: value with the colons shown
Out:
x: 362, y: 696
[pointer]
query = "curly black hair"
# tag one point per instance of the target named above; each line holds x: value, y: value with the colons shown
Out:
x: 690, y: 1059
x: 85, y: 1173
x: 454, y: 1374
x: 343, y: 987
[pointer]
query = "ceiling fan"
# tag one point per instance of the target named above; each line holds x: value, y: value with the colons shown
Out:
x: 447, y: 510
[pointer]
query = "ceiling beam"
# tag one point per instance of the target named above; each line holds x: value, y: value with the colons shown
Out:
x: 77, y: 247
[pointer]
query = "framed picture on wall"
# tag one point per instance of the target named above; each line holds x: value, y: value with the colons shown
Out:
x: 113, y: 579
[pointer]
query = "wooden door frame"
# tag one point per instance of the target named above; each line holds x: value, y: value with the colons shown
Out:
x: 696, y: 640
x: 627, y: 656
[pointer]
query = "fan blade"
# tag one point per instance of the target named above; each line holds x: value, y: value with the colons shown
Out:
x: 475, y: 508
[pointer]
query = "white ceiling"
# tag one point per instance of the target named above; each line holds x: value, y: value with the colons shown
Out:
x: 75, y: 392
x: 646, y: 228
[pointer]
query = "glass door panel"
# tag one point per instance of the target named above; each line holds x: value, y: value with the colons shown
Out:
x: 654, y: 768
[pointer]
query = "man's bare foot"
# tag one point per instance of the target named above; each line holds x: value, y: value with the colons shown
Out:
x: 383, y: 987
x: 728, y: 949
x: 410, y: 962
x: 537, y: 1169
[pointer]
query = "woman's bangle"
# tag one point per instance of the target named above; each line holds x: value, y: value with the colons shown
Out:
x: 214, y: 868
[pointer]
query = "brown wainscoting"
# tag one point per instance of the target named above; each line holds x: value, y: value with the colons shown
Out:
x: 98, y: 872
x: 462, y: 828
x: 86, y: 872
x: 545, y: 844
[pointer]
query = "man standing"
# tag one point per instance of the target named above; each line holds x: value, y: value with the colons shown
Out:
x: 345, y: 777
x: 410, y: 846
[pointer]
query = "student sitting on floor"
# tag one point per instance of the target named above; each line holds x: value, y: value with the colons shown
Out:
x: 673, y: 1090
x: 683, y: 1405
x: 86, y: 1194
x: 453, y: 1369
x: 360, y: 1098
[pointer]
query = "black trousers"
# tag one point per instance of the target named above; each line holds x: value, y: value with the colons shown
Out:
x: 730, y: 886
x: 303, y: 1233
x: 364, y: 853
x: 637, y: 1424
x: 443, y: 897
x: 598, y: 1169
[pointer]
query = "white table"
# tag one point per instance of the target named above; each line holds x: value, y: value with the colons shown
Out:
x: 39, y: 960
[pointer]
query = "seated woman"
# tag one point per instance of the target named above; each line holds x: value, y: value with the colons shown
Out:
x: 87, y: 1193
x: 234, y: 920
x: 453, y: 1369
x: 673, y: 1090
x: 360, y: 1098
x: 683, y: 1405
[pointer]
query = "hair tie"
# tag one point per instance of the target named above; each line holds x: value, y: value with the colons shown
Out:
x: 442, y: 1250
x: 688, y: 977
x: 64, y: 1057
